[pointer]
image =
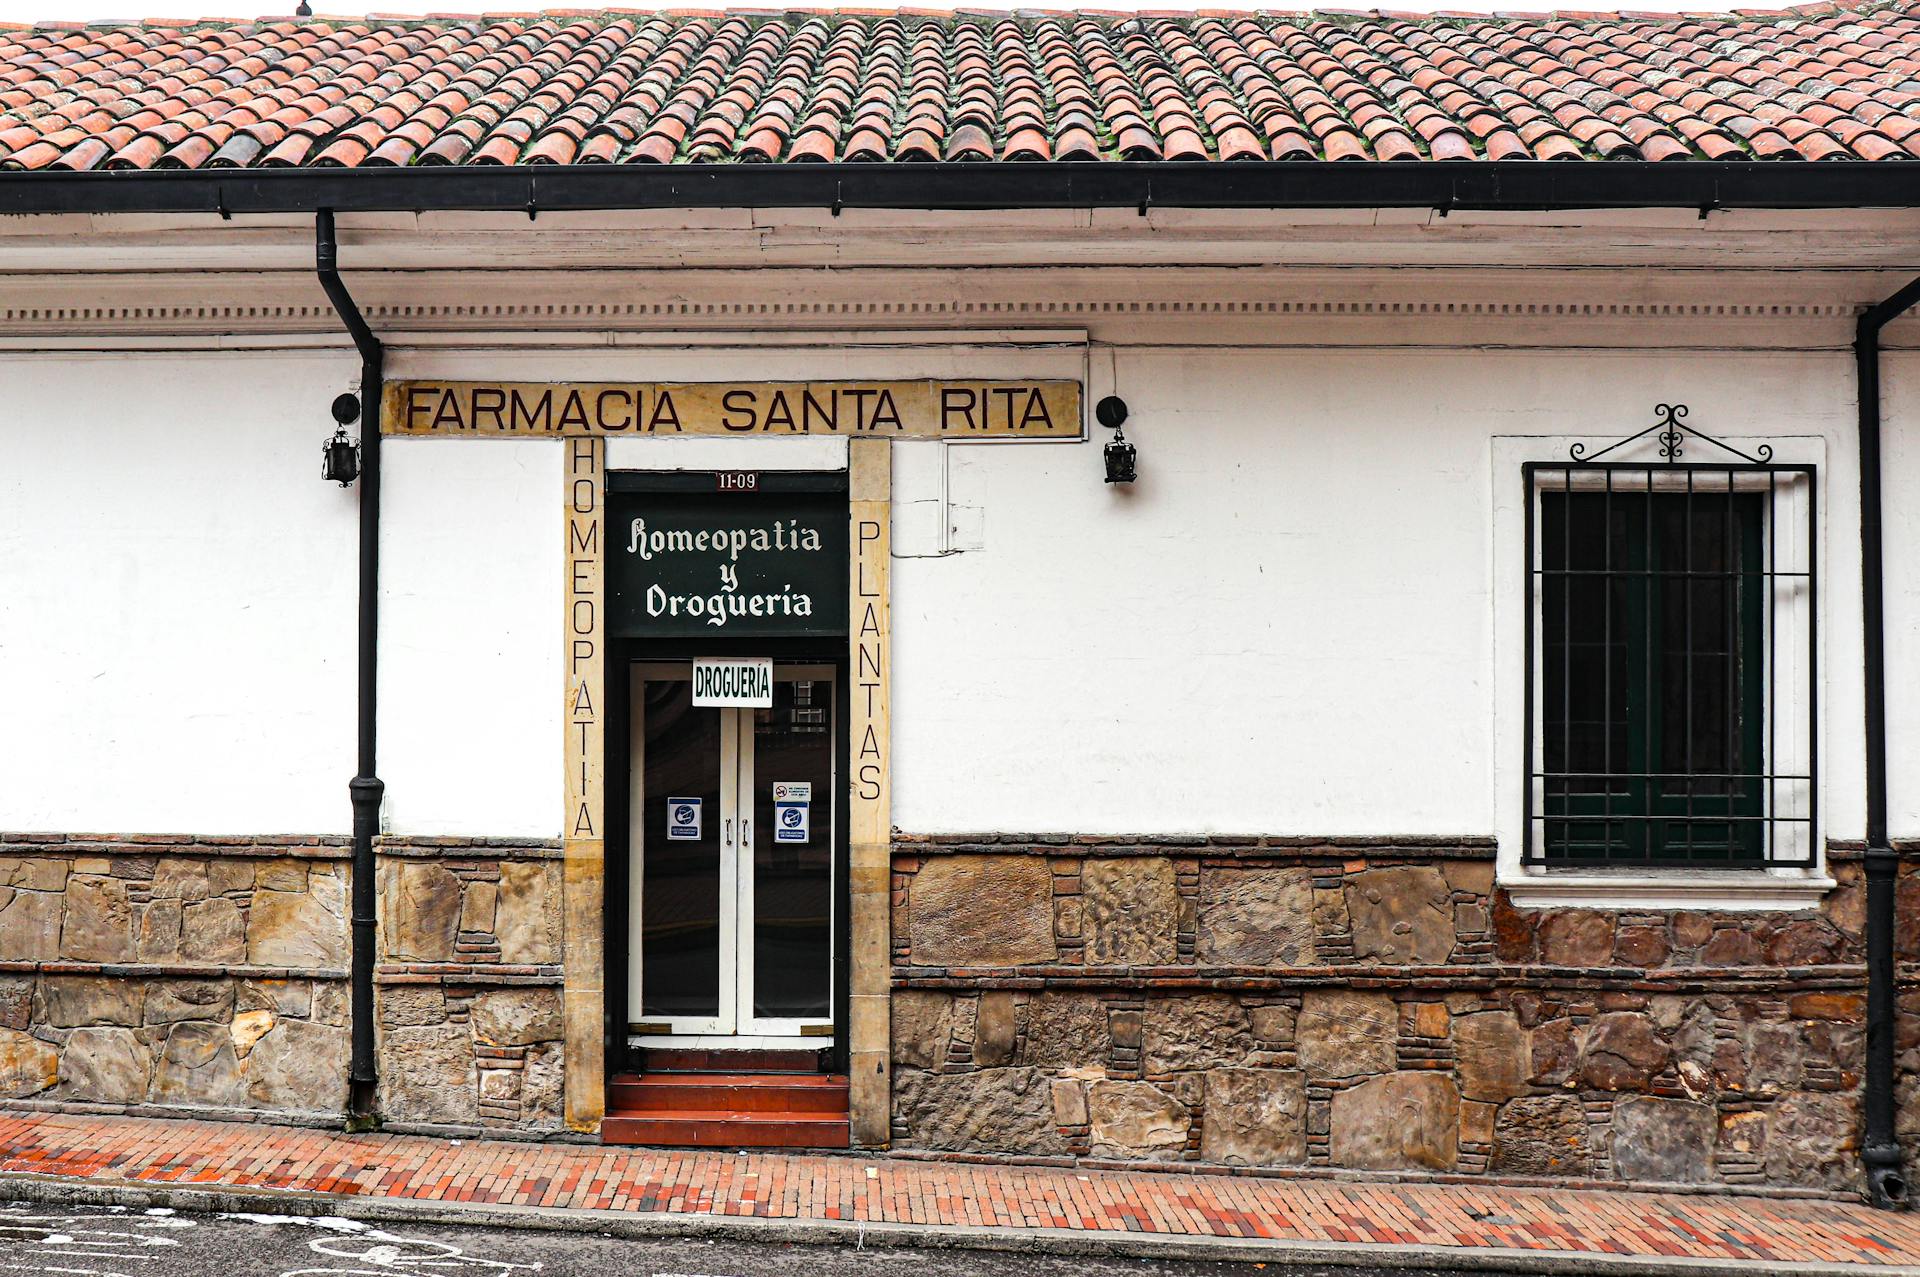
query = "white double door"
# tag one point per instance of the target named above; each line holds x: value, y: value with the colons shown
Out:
x: 732, y: 898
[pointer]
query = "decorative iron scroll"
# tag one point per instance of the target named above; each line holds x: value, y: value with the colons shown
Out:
x: 1672, y: 435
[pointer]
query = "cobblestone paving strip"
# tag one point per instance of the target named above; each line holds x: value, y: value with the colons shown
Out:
x: 1780, y: 1232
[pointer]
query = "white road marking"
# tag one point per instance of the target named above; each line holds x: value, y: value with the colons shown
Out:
x: 395, y: 1254
x: 390, y: 1251
x: 333, y: 1223
x: 11, y: 1219
x: 49, y: 1237
x: 58, y: 1237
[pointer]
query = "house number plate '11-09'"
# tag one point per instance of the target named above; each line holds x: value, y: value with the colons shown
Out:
x: 743, y: 684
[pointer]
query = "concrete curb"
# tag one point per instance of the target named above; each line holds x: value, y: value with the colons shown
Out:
x: 60, y: 1190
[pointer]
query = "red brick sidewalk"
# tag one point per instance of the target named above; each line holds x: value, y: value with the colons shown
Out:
x: 1777, y: 1232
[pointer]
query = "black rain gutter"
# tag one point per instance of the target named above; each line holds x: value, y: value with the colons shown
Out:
x: 532, y: 189
x: 1886, y: 1179
x: 365, y: 790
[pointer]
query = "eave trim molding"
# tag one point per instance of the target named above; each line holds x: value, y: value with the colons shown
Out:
x: 533, y: 189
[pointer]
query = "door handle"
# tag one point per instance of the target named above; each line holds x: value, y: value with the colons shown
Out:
x: 726, y: 837
x: 746, y: 831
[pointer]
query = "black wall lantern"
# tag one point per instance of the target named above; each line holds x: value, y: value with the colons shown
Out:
x: 1111, y: 412
x: 340, y: 456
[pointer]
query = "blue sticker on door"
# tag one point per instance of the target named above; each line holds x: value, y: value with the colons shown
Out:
x: 683, y: 820
x: 792, y: 801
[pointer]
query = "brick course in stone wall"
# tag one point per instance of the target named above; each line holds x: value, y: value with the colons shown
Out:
x: 1285, y: 1004
x: 167, y: 973
x: 1372, y: 1005
x: 468, y: 984
x: 176, y: 973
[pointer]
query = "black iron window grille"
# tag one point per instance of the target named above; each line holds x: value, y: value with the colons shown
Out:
x: 1670, y: 647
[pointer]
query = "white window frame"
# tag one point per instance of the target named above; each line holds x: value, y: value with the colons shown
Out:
x: 1630, y: 886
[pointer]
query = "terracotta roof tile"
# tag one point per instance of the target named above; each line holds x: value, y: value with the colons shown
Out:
x: 1819, y: 82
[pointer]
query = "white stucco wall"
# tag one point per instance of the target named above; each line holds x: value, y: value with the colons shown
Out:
x: 1286, y: 625
x: 470, y: 630
x: 176, y: 594
x: 472, y: 571
x: 1900, y: 461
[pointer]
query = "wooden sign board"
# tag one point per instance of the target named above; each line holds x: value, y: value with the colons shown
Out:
x: 1031, y: 410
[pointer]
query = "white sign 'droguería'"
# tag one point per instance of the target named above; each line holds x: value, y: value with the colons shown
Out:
x: 743, y: 683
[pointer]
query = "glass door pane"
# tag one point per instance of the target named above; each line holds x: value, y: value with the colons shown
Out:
x: 790, y: 948
x: 683, y: 878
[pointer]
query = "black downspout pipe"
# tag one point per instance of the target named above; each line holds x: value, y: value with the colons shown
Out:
x: 1886, y: 1177
x: 365, y: 790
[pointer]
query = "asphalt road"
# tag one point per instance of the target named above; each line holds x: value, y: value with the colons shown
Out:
x: 124, y: 1242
